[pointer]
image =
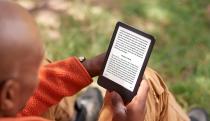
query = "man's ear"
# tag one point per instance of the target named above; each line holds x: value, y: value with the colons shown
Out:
x: 8, y: 96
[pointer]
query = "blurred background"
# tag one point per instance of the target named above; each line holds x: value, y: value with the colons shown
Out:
x: 181, y: 28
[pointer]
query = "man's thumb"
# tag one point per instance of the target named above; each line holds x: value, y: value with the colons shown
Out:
x: 119, y: 109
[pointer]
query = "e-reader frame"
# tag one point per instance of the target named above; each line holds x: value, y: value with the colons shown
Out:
x: 110, y: 85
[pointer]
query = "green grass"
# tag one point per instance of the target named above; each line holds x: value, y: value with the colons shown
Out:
x: 182, y: 51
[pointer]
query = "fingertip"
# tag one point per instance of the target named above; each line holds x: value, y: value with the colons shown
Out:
x: 145, y: 85
x: 115, y: 96
x: 116, y: 99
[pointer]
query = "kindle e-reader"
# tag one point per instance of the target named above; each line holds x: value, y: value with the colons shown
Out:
x: 126, y: 60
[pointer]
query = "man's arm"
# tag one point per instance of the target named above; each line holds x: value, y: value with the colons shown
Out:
x: 60, y: 79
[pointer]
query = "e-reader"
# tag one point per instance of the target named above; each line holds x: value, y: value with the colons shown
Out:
x: 126, y: 59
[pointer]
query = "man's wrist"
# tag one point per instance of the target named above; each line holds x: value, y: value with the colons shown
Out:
x: 94, y: 65
x: 87, y: 64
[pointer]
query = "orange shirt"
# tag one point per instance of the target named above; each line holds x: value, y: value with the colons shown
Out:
x: 28, y: 118
x: 57, y: 80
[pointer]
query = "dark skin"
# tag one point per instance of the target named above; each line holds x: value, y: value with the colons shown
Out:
x: 94, y: 65
x: 117, y: 111
x: 21, y: 54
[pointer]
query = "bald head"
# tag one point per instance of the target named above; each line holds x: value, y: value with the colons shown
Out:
x: 20, y: 44
x: 21, y: 53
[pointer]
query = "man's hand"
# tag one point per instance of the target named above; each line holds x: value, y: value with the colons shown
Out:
x: 94, y: 65
x: 134, y: 111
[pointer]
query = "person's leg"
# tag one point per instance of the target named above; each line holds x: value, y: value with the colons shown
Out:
x: 161, y: 105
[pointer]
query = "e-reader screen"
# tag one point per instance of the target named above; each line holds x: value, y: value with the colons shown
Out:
x: 126, y: 58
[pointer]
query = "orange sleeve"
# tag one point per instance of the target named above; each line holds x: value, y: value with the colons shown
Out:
x: 28, y: 118
x: 57, y: 80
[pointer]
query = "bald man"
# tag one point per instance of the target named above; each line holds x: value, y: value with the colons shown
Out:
x: 21, y: 54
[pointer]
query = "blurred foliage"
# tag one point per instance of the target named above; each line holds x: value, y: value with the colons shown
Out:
x: 181, y: 28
